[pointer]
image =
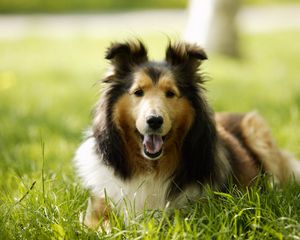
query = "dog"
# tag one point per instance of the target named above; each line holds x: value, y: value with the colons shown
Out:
x: 155, y: 142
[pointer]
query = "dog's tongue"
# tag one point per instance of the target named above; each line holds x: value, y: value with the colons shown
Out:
x: 153, y: 143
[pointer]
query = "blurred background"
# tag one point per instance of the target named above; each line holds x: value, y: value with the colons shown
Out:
x: 52, y: 55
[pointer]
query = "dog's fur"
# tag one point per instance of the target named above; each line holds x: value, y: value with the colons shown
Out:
x: 155, y: 142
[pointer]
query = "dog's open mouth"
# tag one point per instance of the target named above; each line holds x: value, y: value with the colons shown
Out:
x: 153, y: 145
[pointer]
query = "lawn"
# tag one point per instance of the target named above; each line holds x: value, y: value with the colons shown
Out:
x: 47, y: 90
x: 93, y: 6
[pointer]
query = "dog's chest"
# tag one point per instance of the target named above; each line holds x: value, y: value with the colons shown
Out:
x: 146, y: 191
x: 143, y: 192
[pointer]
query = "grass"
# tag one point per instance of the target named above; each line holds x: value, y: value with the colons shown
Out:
x: 87, y: 6
x: 46, y: 94
x: 93, y: 6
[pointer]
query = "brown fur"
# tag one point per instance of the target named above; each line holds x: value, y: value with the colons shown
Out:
x: 124, y: 119
x: 182, y: 124
x: 259, y: 138
x: 166, y: 82
x: 141, y: 81
x: 243, y: 165
x: 252, y: 147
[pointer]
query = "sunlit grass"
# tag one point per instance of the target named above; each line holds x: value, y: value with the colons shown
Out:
x: 47, y: 90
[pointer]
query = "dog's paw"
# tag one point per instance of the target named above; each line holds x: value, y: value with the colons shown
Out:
x: 95, y: 224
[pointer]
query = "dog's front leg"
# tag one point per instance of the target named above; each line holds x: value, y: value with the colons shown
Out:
x: 97, y: 214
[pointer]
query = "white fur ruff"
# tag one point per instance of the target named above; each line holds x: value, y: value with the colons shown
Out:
x: 137, y: 194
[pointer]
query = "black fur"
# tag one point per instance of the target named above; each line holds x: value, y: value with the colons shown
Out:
x: 110, y: 144
x: 124, y: 57
x: 186, y: 57
x: 199, y: 147
x: 154, y: 70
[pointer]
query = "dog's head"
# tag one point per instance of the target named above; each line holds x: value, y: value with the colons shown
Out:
x: 152, y: 107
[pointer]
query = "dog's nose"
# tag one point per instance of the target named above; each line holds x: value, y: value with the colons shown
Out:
x: 155, y: 122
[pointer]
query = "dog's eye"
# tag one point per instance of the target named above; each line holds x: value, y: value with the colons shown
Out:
x: 139, y: 93
x: 170, y: 94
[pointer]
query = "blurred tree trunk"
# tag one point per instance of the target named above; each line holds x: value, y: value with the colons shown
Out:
x: 212, y: 24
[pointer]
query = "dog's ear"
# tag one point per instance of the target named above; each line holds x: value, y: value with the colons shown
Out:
x: 185, y: 56
x: 124, y: 56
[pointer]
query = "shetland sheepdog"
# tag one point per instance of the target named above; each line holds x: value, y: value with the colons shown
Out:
x: 155, y: 142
